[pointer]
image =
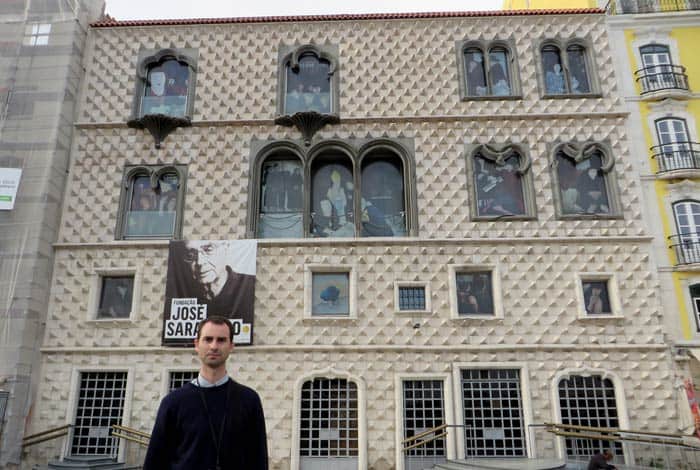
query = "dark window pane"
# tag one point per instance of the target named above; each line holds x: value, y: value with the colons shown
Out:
x: 498, y: 72
x: 332, y: 206
x: 152, y: 211
x: 577, y: 70
x: 475, y: 73
x: 383, y: 211
x: 412, y: 298
x: 498, y: 187
x: 308, y: 88
x: 166, y: 89
x: 553, y: 73
x: 474, y: 293
x: 281, y: 196
x: 596, y: 298
x: 115, y: 297
x: 582, y: 185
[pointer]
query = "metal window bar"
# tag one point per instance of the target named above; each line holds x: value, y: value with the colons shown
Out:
x: 589, y: 402
x: 677, y: 156
x: 329, y: 424
x: 493, y: 413
x: 412, y: 298
x: 100, y: 405
x: 180, y: 378
x: 662, y: 77
x: 686, y: 247
x: 423, y: 410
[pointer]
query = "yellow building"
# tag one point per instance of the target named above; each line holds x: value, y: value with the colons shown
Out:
x: 546, y: 4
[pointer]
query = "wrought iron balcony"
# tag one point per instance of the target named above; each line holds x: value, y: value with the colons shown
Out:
x: 662, y: 77
x: 621, y: 7
x: 687, y: 248
x: 677, y: 156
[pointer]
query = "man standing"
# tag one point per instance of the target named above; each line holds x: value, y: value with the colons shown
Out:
x: 212, y: 422
x: 600, y: 461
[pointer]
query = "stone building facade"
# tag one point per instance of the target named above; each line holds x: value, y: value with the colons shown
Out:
x: 404, y: 94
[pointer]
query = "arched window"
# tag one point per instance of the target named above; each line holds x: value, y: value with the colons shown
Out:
x: 308, y: 81
x: 687, y: 241
x: 675, y: 150
x: 566, y: 74
x: 332, y: 196
x: 329, y: 424
x: 383, y: 202
x: 501, y: 182
x: 334, y: 189
x: 585, y: 180
x: 165, y: 83
x: 151, y: 202
x: 487, y: 70
x: 588, y: 401
x: 281, y: 198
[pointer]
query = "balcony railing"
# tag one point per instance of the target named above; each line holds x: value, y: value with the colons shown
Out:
x: 621, y: 7
x: 687, y: 247
x: 677, y: 156
x: 662, y: 77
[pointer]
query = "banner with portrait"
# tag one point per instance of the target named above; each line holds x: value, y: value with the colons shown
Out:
x: 206, y: 278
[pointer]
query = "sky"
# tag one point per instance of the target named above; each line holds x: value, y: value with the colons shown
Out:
x: 167, y: 9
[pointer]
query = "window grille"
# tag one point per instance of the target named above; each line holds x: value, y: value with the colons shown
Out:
x: 588, y: 401
x: 423, y: 409
x: 100, y: 405
x: 412, y: 298
x: 328, y: 418
x: 493, y: 413
x: 180, y: 378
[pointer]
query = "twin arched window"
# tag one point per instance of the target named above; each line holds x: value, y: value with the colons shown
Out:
x: 487, y: 70
x: 334, y: 192
x: 565, y: 70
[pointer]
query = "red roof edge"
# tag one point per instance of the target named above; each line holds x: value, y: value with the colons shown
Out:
x: 109, y: 22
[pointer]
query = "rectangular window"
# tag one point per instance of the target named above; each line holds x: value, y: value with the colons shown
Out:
x: 330, y: 293
x: 116, y: 295
x: 180, y: 378
x: 596, y: 297
x: 412, y: 298
x: 493, y: 413
x: 37, y: 34
x: 100, y: 405
x: 4, y: 397
x: 474, y: 293
x: 423, y: 409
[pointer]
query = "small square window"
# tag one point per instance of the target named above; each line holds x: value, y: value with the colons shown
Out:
x: 116, y: 295
x: 598, y: 296
x: 330, y: 294
x: 37, y: 34
x: 412, y: 298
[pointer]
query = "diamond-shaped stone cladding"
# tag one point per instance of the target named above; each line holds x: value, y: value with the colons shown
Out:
x: 538, y: 288
x: 647, y: 386
x: 218, y: 160
x: 417, y: 61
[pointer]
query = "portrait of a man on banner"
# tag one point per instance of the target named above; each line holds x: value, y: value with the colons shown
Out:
x: 209, y: 277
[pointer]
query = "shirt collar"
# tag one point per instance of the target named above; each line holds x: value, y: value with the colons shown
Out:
x: 204, y: 383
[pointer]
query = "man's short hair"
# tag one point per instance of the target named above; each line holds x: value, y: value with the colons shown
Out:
x: 216, y: 320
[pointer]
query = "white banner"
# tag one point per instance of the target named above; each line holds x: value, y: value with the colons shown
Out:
x: 9, y: 183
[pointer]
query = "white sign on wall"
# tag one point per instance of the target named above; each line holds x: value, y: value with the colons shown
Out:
x: 9, y: 182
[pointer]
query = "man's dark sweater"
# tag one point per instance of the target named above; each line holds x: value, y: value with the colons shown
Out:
x: 182, y: 437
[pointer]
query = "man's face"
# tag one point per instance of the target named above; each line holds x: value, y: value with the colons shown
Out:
x: 207, y: 262
x: 214, y: 345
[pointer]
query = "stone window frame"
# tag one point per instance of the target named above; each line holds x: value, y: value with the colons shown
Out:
x: 485, y: 46
x: 563, y: 45
x: 425, y: 285
x: 96, y: 291
x: 292, y: 53
x: 496, y: 291
x: 495, y: 153
x: 131, y: 172
x: 150, y: 57
x: 613, y: 295
x: 355, y: 150
x: 579, y: 151
x: 309, y: 271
